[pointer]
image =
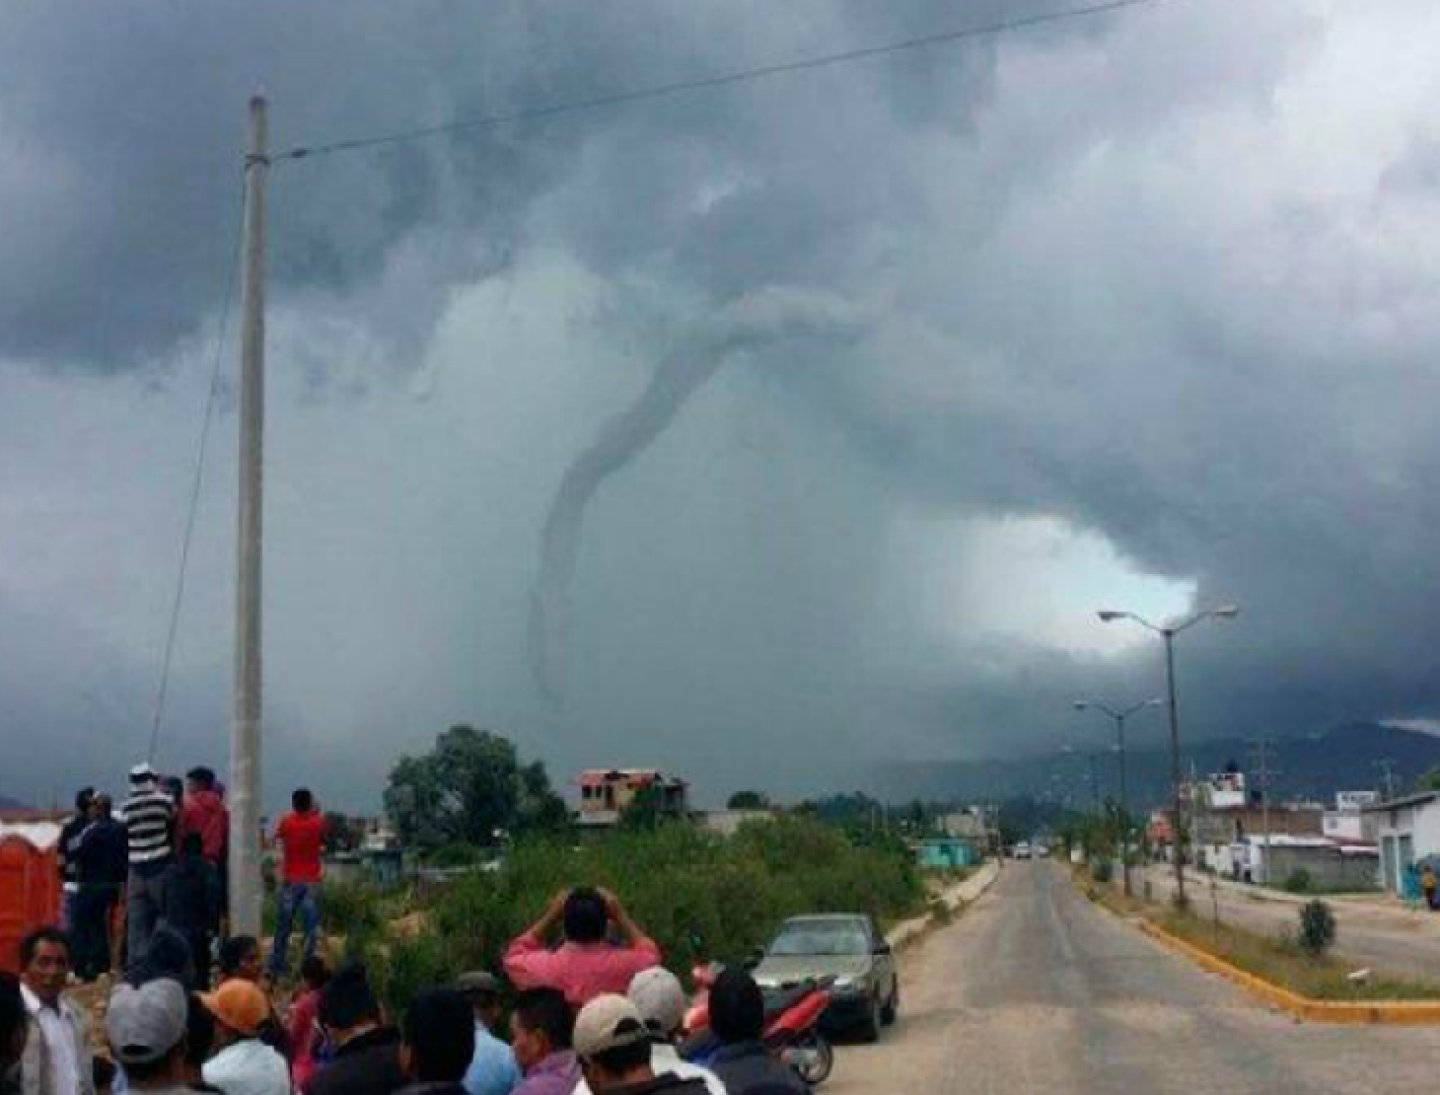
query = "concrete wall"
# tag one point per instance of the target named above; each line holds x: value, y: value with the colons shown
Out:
x: 1328, y: 868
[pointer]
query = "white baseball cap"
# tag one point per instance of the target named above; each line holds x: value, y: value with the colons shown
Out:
x: 608, y: 1022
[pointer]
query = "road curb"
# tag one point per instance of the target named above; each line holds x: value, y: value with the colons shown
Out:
x: 911, y: 931
x: 1397, y: 1012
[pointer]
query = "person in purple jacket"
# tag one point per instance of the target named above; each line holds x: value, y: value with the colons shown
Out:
x: 541, y: 1028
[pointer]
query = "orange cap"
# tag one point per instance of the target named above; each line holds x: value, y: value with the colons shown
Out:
x: 240, y: 1005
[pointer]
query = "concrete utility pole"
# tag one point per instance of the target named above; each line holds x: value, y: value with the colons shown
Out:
x: 1119, y: 718
x: 1168, y: 633
x: 1387, y: 777
x: 1176, y: 822
x: 1263, y: 774
x: 245, y: 886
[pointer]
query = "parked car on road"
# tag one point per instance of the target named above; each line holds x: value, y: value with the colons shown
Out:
x: 866, y: 991
x: 1022, y: 850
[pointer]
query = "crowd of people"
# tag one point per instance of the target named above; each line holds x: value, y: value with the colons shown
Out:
x: 583, y: 1005
x: 153, y: 872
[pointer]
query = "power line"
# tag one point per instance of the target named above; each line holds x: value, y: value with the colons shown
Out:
x: 163, y: 690
x: 703, y: 83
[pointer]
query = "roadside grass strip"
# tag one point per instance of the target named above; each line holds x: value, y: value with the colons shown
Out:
x: 1275, y: 970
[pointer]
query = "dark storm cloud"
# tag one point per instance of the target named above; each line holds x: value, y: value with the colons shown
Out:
x: 1152, y: 275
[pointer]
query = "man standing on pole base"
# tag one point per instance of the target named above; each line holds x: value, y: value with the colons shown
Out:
x: 301, y: 833
x: 149, y: 819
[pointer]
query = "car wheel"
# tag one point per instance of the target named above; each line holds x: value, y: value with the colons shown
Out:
x: 870, y: 1026
x: 892, y: 1006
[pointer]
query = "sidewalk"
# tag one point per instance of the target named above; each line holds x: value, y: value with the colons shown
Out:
x: 1378, y: 900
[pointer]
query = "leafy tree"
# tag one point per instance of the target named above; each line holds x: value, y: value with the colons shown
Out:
x: 471, y: 788
x: 645, y: 811
x: 748, y: 800
x: 844, y: 809
x: 540, y: 809
x: 917, y: 818
x: 1430, y: 781
x: 342, y: 834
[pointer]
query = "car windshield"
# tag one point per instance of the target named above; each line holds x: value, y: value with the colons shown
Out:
x: 821, y: 938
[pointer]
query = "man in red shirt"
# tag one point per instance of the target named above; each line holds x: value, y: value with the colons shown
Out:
x: 587, y: 964
x: 301, y: 835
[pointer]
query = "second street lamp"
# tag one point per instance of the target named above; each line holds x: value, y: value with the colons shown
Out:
x: 1120, y: 717
x: 1168, y: 633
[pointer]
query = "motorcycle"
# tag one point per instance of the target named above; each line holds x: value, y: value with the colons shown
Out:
x: 792, y: 1024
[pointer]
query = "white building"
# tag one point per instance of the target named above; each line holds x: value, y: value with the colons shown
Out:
x: 972, y: 823
x: 728, y: 822
x: 1348, y: 822
x: 1409, y: 831
x: 1222, y: 791
x: 40, y: 827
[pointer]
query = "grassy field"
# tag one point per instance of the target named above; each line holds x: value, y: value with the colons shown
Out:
x: 1277, y: 960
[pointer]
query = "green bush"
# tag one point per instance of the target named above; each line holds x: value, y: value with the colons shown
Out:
x: 1298, y: 881
x: 1100, y: 870
x: 351, y: 908
x: 410, y: 965
x: 1317, y: 928
x: 457, y: 853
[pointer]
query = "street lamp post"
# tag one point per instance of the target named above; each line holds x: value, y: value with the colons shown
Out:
x: 1168, y: 633
x: 1120, y: 717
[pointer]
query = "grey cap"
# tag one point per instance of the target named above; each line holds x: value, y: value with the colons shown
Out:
x: 146, y: 1023
x: 658, y: 997
x: 478, y: 981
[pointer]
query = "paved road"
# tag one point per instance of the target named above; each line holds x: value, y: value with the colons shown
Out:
x: 1034, y: 989
x: 1390, y: 939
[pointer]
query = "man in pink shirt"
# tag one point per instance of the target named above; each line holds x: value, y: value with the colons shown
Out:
x: 203, y: 812
x: 587, y: 964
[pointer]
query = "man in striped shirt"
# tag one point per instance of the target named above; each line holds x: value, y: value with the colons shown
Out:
x: 149, y: 819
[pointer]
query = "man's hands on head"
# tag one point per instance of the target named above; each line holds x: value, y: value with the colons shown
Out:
x: 613, y: 909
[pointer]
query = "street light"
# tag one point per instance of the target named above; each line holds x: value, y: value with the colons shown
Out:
x: 1168, y: 633
x: 1120, y: 717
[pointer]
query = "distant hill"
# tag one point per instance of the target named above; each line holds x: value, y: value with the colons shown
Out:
x: 1314, y: 766
x: 12, y: 804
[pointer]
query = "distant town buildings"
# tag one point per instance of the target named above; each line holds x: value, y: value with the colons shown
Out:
x: 973, y: 823
x: 1234, y: 832
x: 605, y: 793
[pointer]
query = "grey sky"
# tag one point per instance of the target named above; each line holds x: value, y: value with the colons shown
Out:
x: 1150, y: 311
